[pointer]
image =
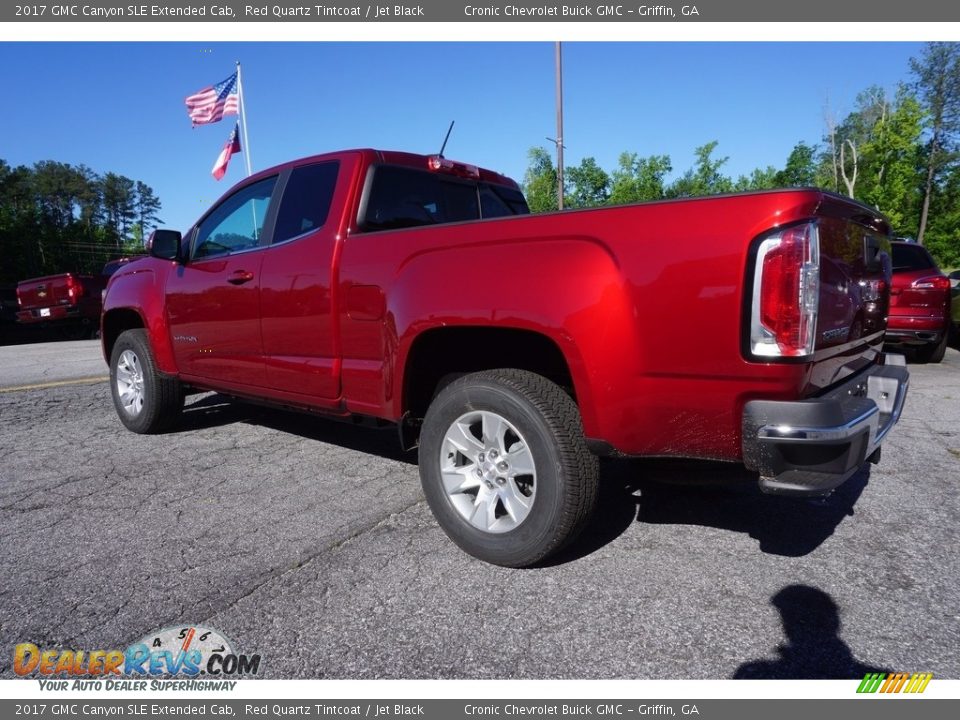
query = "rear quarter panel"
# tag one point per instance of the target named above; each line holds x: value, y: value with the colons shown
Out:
x: 644, y: 301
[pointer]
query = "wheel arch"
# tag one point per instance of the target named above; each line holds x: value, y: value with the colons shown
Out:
x: 437, y: 356
x: 115, y: 322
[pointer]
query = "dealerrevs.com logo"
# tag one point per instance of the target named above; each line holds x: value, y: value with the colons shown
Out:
x: 188, y: 652
x: 910, y: 683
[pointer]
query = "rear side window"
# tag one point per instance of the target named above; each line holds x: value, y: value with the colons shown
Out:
x: 911, y: 257
x: 306, y: 200
x: 402, y: 197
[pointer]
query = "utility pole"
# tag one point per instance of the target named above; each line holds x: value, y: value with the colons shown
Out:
x: 559, y: 71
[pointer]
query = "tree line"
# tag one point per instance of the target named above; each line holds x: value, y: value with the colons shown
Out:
x: 56, y: 217
x: 899, y: 153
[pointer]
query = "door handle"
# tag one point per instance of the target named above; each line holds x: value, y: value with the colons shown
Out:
x: 240, y: 277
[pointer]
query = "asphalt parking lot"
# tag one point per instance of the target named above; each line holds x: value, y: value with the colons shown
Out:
x: 308, y: 542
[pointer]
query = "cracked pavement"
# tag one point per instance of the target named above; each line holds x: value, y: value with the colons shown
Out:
x: 308, y: 541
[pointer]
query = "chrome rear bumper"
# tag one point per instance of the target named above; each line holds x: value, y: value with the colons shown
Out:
x: 810, y: 447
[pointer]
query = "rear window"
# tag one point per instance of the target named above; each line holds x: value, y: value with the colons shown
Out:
x: 911, y: 257
x: 401, y: 197
x: 499, y: 201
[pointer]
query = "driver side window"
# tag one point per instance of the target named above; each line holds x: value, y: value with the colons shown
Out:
x: 237, y: 224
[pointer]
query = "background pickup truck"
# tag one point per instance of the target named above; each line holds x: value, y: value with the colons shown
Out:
x: 69, y: 302
x: 513, y: 349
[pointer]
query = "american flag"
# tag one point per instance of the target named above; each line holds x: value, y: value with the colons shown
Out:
x: 212, y: 103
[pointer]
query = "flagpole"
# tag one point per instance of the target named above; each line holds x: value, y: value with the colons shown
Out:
x: 243, y: 117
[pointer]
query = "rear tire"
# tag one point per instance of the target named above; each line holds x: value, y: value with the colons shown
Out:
x: 537, y: 481
x: 146, y: 401
x: 933, y: 353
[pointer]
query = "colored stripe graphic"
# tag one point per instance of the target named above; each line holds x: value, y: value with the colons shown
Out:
x: 918, y: 683
x: 894, y: 682
x: 870, y: 683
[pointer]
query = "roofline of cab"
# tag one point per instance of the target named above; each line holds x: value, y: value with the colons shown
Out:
x: 370, y: 156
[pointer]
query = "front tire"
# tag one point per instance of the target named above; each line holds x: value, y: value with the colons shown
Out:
x: 145, y: 400
x: 505, y: 468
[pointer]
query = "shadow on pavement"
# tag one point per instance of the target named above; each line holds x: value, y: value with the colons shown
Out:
x: 213, y: 410
x: 814, y: 649
x: 717, y: 495
x: 12, y: 333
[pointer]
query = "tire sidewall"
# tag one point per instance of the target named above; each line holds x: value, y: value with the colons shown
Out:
x: 517, y: 546
x: 134, y: 341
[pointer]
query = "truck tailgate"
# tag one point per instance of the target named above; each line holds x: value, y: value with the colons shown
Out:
x: 44, y: 292
x: 854, y: 292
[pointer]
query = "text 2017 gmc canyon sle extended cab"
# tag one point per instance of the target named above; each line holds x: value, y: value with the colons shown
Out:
x: 516, y: 348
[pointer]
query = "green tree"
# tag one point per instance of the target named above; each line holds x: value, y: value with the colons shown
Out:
x: 146, y: 208
x: 876, y: 153
x: 705, y: 177
x: 589, y: 185
x: 119, y: 202
x: 540, y: 181
x: 855, y: 133
x: 942, y: 237
x: 801, y: 167
x: 890, y: 158
x: 53, y: 218
x: 20, y: 247
x: 89, y: 197
x: 759, y: 179
x: 58, y: 188
x: 937, y: 82
x: 16, y: 191
x: 637, y: 179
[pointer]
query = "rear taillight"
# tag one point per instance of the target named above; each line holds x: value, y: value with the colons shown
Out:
x: 786, y: 293
x: 872, y: 290
x: 19, y: 299
x: 74, y: 289
x: 931, y: 282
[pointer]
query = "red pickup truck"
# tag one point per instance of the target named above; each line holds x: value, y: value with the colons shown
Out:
x: 513, y: 349
x: 69, y: 301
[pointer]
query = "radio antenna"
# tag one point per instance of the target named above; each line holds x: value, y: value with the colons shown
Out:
x: 444, y: 146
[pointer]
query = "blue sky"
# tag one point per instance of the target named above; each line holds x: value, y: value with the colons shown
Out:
x: 119, y: 106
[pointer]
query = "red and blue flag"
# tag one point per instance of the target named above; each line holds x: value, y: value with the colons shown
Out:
x: 232, y: 146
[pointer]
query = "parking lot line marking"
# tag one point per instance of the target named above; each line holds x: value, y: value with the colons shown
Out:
x: 57, y: 383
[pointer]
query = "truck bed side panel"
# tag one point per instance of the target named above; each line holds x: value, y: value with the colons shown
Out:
x: 645, y: 301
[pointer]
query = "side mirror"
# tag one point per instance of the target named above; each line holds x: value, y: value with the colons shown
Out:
x: 164, y: 244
